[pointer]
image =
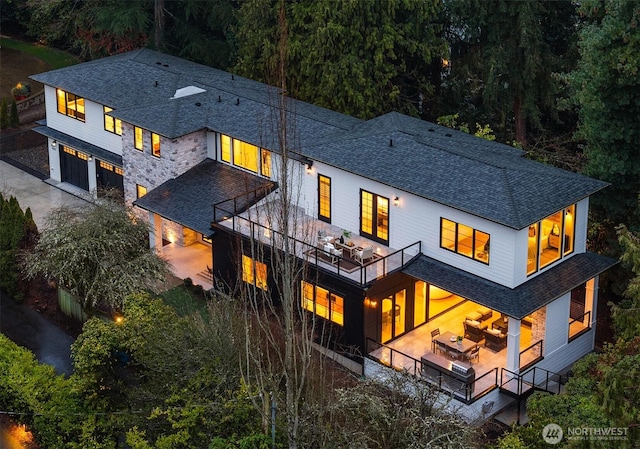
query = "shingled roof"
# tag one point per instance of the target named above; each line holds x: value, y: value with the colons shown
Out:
x: 487, y: 179
x: 516, y: 302
x: 483, y: 178
x: 189, y: 198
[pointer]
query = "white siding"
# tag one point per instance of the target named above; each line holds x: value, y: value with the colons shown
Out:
x: 91, y: 130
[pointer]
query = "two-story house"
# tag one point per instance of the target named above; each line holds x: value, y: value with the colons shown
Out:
x: 426, y: 248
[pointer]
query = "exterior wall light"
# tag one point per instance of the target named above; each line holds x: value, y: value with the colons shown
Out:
x: 396, y: 201
x: 54, y: 144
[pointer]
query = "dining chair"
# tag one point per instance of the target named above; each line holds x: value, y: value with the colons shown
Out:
x: 434, y: 334
x: 474, y: 354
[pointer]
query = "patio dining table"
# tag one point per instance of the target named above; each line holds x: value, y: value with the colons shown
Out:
x: 449, y: 342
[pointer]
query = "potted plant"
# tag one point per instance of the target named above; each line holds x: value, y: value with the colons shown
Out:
x: 346, y: 235
x: 21, y: 91
x: 460, y: 337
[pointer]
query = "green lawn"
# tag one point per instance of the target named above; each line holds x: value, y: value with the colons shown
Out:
x: 55, y: 58
x: 185, y: 302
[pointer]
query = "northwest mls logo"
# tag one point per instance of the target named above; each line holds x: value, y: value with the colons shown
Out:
x: 552, y: 433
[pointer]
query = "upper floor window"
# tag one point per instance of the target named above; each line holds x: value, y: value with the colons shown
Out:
x: 245, y: 155
x: 113, y: 125
x: 254, y: 272
x: 225, y: 148
x: 155, y: 144
x: 70, y: 105
x: 550, y: 239
x: 265, y: 168
x: 464, y: 240
x: 323, y: 303
x: 324, y: 198
x: 374, y: 216
x: 137, y: 138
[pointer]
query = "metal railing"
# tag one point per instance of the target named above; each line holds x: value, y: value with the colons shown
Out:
x: 580, y: 319
x: 536, y: 378
x: 533, y: 353
x: 444, y: 381
x: 361, y: 274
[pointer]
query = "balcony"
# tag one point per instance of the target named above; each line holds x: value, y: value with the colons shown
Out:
x: 264, y: 224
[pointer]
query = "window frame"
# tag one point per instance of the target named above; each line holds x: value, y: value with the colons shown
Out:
x: 324, y: 199
x: 476, y: 251
x: 254, y: 272
x: 111, y: 122
x: 155, y: 145
x: 565, y: 238
x: 333, y: 310
x: 70, y: 105
x: 138, y: 140
x: 377, y: 202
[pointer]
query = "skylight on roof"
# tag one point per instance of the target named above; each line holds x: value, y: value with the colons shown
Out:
x: 186, y: 91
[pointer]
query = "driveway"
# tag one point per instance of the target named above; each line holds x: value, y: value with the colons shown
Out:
x: 33, y: 192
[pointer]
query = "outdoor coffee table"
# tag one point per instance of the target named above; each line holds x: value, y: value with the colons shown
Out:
x: 345, y: 247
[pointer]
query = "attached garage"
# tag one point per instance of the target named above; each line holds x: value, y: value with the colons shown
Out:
x: 74, y: 167
x: 108, y: 176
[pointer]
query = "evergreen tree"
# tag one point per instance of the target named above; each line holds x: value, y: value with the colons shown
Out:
x: 607, y: 82
x: 14, y: 118
x: 362, y: 58
x: 4, y: 114
x: 505, y: 56
x: 17, y: 232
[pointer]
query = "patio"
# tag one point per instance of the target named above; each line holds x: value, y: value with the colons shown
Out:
x: 406, y: 350
x: 190, y: 262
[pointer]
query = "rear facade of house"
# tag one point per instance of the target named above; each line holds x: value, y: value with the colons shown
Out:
x: 426, y: 249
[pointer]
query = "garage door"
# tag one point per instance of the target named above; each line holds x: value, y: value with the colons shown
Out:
x: 108, y: 176
x: 74, y: 167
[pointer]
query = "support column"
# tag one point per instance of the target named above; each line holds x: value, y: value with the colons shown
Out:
x: 513, y: 345
x: 155, y: 233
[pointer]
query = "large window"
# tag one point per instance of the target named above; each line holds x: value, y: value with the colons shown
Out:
x: 324, y: 198
x: 464, y: 240
x: 374, y: 216
x: 70, y: 105
x: 254, y: 272
x: 137, y: 138
x: 155, y: 144
x: 323, y: 303
x: 550, y: 239
x: 113, y: 125
x: 245, y: 155
x: 580, y: 309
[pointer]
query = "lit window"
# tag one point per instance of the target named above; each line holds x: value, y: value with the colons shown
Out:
x: 113, y: 125
x: 140, y: 191
x: 155, y: 144
x: 322, y: 302
x: 137, y: 138
x: 374, y: 216
x: 580, y: 307
x: 245, y: 155
x: 464, y: 240
x: 254, y: 272
x: 70, y: 105
x: 324, y: 198
x: 265, y: 169
x: 550, y: 239
x: 225, y: 148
